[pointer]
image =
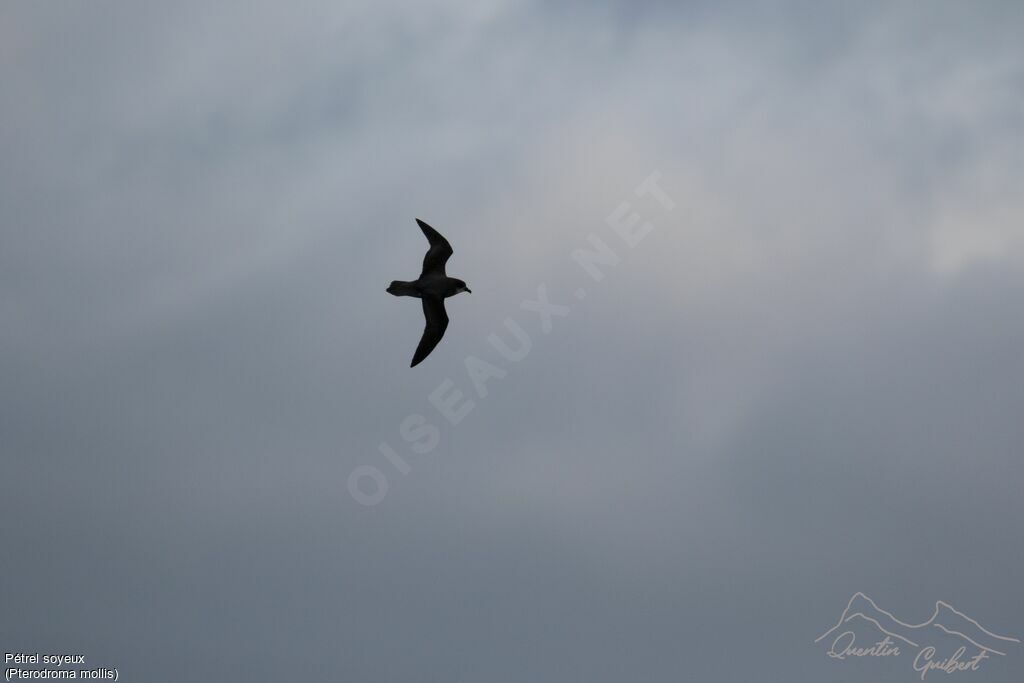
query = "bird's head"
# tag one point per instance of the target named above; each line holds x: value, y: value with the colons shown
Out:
x: 460, y: 286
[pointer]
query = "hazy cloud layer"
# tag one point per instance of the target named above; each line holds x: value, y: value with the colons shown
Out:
x: 806, y: 381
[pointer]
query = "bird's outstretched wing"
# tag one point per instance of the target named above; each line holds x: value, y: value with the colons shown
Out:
x: 437, y: 323
x: 439, y: 252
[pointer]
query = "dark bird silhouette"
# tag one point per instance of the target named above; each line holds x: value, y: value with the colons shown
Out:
x: 433, y: 287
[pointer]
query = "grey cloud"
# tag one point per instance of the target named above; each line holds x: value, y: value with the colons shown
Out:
x: 804, y: 382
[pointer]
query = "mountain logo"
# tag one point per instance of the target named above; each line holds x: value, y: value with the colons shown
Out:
x: 949, y: 641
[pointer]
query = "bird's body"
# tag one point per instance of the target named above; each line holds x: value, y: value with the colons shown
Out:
x: 443, y: 287
x: 433, y: 286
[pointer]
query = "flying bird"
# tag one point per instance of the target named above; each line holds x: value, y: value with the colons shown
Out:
x: 433, y: 287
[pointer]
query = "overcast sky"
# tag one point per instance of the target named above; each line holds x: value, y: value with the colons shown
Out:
x: 806, y: 380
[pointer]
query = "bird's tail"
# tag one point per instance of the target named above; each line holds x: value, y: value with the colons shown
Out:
x: 401, y: 288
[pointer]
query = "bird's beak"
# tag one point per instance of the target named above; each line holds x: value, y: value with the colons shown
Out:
x: 468, y: 290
